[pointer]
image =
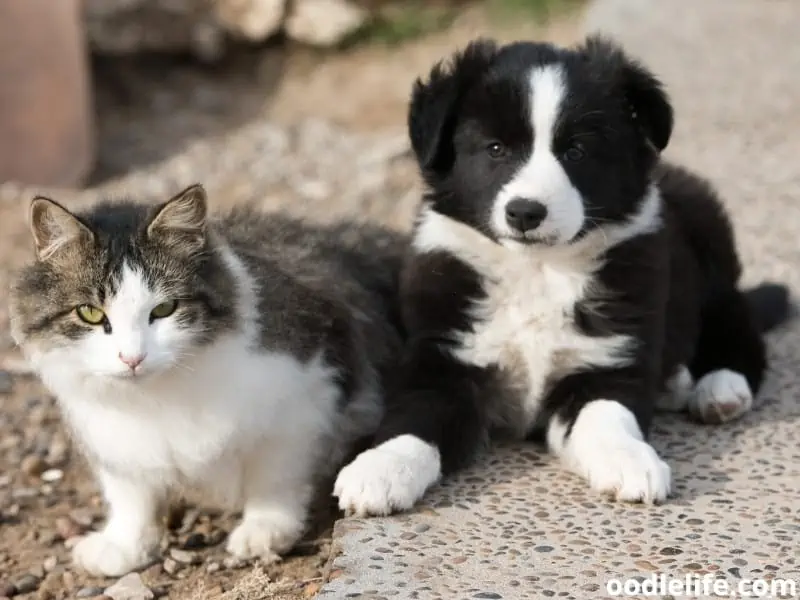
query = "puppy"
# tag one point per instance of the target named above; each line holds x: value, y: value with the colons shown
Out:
x: 564, y: 281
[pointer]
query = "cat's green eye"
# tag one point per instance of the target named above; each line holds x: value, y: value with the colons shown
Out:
x: 164, y: 309
x: 90, y: 314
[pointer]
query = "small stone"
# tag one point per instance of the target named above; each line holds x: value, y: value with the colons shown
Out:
x: 171, y: 566
x: 32, y: 465
x: 58, y: 450
x: 215, y: 537
x: 130, y: 587
x: 232, y: 562
x: 24, y: 493
x: 422, y: 528
x: 50, y: 563
x: 67, y: 528
x: 37, y: 572
x: 6, y: 382
x: 189, y: 520
x: 7, y: 590
x: 82, y: 517
x: 488, y: 595
x: 27, y: 584
x: 89, y: 592
x: 213, y: 567
x: 182, y: 556
x: 407, y: 535
x: 670, y: 551
x: 52, y: 475
x: 5, y: 480
x: 194, y: 542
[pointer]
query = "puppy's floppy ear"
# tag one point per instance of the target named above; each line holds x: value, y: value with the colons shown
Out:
x: 649, y: 104
x: 434, y: 103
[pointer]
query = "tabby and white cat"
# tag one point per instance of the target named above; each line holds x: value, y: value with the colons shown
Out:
x: 239, y: 357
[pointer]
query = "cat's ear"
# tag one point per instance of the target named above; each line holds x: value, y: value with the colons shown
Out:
x: 54, y: 228
x: 182, y: 219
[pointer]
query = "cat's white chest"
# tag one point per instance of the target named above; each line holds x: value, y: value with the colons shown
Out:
x: 199, y: 430
x: 526, y: 327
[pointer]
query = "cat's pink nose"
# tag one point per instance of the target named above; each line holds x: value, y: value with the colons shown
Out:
x: 132, y: 361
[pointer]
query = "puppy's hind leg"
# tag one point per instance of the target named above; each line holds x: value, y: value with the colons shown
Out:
x: 730, y: 356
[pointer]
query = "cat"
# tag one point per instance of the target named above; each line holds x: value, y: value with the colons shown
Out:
x: 239, y: 356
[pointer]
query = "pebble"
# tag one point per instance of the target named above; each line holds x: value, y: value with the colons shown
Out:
x: 190, y: 517
x: 50, y: 563
x: 52, y: 475
x: 7, y: 590
x: 26, y: 584
x: 24, y: 493
x: 213, y: 567
x: 89, y: 592
x: 6, y: 382
x: 171, y: 566
x: 182, y: 556
x: 82, y: 517
x: 232, y: 562
x: 67, y: 528
x: 194, y: 542
x: 5, y: 480
x: 130, y: 587
x: 33, y: 465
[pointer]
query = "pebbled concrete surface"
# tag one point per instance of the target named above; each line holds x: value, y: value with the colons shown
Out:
x: 517, y: 526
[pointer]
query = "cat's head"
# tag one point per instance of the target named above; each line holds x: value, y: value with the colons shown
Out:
x: 124, y: 290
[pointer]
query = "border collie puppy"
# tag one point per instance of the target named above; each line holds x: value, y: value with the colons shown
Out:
x: 563, y: 282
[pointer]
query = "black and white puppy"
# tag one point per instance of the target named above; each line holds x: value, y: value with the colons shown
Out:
x: 563, y: 282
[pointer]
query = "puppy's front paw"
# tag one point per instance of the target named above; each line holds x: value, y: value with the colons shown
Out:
x: 720, y: 396
x: 629, y: 470
x: 389, y: 478
x: 264, y: 537
x: 100, y: 555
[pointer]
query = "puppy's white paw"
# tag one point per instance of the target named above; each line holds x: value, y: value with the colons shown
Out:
x: 721, y: 396
x: 101, y: 555
x: 266, y: 537
x: 606, y: 446
x: 389, y: 478
x: 629, y: 470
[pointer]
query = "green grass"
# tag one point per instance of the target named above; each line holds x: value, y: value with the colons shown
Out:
x: 403, y: 21
x: 536, y: 10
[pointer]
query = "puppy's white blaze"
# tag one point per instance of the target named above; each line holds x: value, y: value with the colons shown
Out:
x: 391, y: 477
x: 607, y: 447
x: 543, y: 178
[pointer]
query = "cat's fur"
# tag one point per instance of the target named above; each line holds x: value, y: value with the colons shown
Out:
x: 259, y: 382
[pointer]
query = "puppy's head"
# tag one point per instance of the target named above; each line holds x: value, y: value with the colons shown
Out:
x: 538, y: 144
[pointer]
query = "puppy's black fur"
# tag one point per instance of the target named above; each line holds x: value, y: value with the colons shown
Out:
x: 673, y: 290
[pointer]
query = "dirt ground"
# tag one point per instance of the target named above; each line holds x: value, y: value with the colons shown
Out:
x: 47, y: 496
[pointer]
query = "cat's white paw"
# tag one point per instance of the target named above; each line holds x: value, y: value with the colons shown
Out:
x: 720, y: 396
x: 100, y: 555
x: 264, y: 537
x: 391, y: 477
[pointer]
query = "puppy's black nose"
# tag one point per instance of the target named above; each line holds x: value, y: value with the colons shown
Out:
x: 525, y: 215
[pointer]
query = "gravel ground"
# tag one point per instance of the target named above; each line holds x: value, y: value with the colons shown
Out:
x: 274, y: 127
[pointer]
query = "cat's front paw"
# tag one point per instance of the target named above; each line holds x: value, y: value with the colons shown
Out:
x: 100, y: 555
x: 264, y: 537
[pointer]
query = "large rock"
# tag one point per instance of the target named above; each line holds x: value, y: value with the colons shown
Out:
x: 201, y: 27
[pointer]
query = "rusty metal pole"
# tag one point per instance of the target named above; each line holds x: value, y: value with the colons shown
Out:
x: 46, y: 124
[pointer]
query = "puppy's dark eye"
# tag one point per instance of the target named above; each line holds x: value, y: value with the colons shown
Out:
x: 574, y: 153
x: 496, y: 150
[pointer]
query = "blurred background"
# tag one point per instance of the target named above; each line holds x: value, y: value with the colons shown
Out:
x: 300, y: 105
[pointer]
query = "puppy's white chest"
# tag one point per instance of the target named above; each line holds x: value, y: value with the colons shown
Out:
x: 526, y: 327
